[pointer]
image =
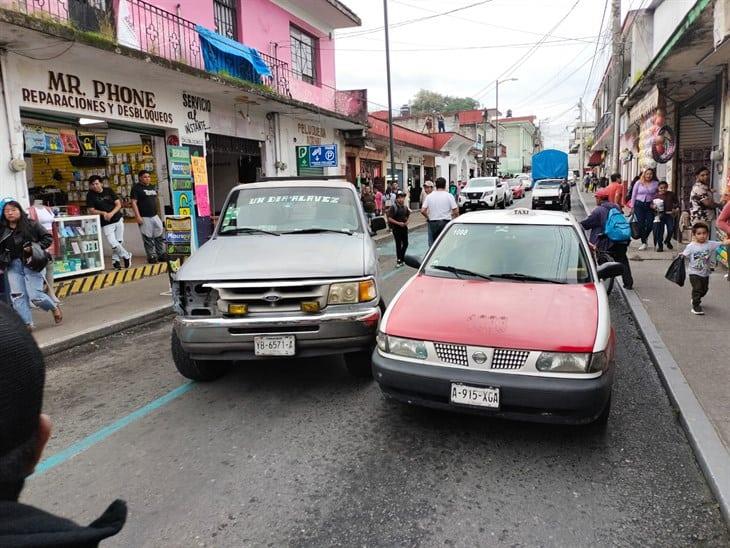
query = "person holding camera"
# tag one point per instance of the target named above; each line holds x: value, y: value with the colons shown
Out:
x: 23, y: 255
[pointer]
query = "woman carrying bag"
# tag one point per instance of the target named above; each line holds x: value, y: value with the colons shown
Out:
x: 642, y: 196
x: 23, y: 242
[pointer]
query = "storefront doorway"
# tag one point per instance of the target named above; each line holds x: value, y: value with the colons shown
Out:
x: 230, y: 161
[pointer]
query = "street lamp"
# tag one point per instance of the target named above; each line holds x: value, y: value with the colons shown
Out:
x: 496, y: 125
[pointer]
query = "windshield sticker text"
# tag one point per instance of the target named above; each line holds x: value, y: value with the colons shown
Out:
x: 295, y: 198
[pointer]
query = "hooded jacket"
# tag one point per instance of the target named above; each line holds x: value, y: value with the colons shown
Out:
x: 25, y: 526
x: 596, y: 223
x: 14, y: 239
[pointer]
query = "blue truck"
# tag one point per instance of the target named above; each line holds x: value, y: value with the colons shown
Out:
x: 549, y: 170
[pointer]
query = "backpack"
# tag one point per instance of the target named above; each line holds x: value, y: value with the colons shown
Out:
x: 617, y: 227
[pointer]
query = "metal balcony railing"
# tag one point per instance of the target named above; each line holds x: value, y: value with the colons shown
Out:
x: 605, y: 121
x: 158, y: 32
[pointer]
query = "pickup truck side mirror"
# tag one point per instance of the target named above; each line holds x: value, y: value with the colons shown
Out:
x: 377, y: 223
x: 413, y: 261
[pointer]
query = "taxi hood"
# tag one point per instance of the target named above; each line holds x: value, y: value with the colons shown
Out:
x: 501, y: 314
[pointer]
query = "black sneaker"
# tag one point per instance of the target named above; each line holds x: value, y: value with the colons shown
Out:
x: 116, y: 265
x: 669, y: 245
x: 659, y: 248
x: 127, y: 262
x: 697, y: 309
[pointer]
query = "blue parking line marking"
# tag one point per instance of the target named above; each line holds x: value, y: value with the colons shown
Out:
x: 100, y: 435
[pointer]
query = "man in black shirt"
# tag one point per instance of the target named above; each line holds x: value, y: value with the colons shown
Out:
x: 107, y: 205
x: 144, y: 203
x: 24, y: 431
x: 398, y: 215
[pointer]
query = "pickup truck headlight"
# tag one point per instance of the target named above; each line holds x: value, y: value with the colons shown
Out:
x: 563, y: 362
x: 489, y: 193
x: 408, y: 348
x: 352, y: 292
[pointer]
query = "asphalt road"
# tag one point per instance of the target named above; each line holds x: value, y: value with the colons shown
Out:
x: 299, y: 453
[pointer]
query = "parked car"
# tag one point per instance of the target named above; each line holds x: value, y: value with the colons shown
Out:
x: 484, y: 192
x: 546, y: 194
x: 291, y: 271
x: 518, y: 191
x: 478, y: 344
x: 525, y: 179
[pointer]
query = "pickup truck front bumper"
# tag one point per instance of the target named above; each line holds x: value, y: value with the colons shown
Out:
x: 330, y: 332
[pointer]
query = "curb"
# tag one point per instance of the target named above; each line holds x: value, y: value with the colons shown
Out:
x: 109, y: 329
x: 102, y: 280
x: 710, y: 452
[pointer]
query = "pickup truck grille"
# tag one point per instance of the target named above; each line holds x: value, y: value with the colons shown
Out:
x: 269, y: 297
x: 474, y: 195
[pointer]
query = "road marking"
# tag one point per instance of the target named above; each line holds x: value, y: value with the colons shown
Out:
x: 100, y: 435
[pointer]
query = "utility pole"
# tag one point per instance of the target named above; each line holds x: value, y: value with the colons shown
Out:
x: 581, y: 149
x: 390, y: 100
x: 484, y: 142
x: 617, y: 61
x: 496, y: 133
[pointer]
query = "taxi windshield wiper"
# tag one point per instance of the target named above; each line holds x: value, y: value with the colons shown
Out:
x: 249, y: 230
x: 526, y: 278
x: 459, y: 272
x: 314, y: 230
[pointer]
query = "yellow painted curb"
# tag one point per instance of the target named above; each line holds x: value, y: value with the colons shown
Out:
x: 94, y: 282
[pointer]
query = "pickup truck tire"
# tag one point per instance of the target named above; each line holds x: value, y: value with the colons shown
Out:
x: 504, y: 203
x: 360, y: 364
x: 197, y: 370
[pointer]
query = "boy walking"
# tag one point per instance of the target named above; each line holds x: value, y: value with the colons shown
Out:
x: 701, y: 253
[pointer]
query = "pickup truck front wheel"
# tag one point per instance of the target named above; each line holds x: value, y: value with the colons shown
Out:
x: 359, y: 364
x: 197, y: 370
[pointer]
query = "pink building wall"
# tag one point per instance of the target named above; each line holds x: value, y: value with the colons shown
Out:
x: 197, y: 11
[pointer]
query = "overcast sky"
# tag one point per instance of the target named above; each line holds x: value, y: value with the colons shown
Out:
x: 464, y: 52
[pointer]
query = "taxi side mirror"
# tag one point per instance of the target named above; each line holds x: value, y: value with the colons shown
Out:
x: 610, y: 270
x: 413, y: 261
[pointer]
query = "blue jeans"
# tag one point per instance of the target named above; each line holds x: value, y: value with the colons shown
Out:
x: 26, y: 286
x: 645, y: 218
x: 434, y: 229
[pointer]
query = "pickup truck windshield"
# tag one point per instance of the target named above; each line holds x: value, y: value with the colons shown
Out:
x: 482, y: 182
x: 290, y: 209
x: 546, y: 184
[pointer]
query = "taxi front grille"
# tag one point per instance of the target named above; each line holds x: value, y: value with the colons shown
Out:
x: 452, y: 353
x: 509, y: 359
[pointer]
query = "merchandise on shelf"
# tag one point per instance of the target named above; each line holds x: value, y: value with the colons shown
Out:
x: 80, y: 248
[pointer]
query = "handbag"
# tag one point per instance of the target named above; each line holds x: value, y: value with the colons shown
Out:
x: 635, y: 229
x: 676, y: 272
x: 38, y: 258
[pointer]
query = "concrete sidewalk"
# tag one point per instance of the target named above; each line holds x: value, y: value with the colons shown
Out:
x: 89, y: 316
x: 692, y: 354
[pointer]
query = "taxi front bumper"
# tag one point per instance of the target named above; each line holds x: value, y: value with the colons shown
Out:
x: 523, y: 397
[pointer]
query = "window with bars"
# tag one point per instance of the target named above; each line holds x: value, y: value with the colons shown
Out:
x: 303, y: 47
x: 224, y: 15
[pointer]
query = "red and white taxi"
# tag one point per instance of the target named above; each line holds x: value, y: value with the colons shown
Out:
x: 507, y: 316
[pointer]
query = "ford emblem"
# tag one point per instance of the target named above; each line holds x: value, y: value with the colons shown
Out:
x: 271, y: 298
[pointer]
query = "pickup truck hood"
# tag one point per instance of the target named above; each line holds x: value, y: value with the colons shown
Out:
x: 261, y: 256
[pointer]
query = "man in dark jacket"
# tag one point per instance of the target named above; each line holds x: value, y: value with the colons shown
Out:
x: 24, y: 432
x: 596, y: 223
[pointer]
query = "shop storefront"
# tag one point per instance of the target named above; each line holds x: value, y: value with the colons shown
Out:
x: 72, y: 121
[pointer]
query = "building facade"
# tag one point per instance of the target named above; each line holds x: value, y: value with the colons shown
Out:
x: 245, y: 83
x: 522, y: 139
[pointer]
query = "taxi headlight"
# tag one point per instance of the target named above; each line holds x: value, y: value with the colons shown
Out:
x: 408, y: 348
x: 599, y: 362
x: 381, y: 339
x: 562, y: 362
x: 352, y: 292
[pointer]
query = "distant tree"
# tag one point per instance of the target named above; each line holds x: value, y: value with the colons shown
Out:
x: 426, y: 101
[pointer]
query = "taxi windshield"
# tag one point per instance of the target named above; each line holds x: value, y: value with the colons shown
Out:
x: 520, y: 252
x: 287, y: 210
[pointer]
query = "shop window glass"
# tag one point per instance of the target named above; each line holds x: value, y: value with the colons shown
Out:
x: 303, y: 55
x: 224, y: 15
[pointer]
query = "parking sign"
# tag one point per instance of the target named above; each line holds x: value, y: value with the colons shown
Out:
x: 323, y: 156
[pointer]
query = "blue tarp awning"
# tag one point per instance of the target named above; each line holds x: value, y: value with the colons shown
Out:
x: 223, y: 55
